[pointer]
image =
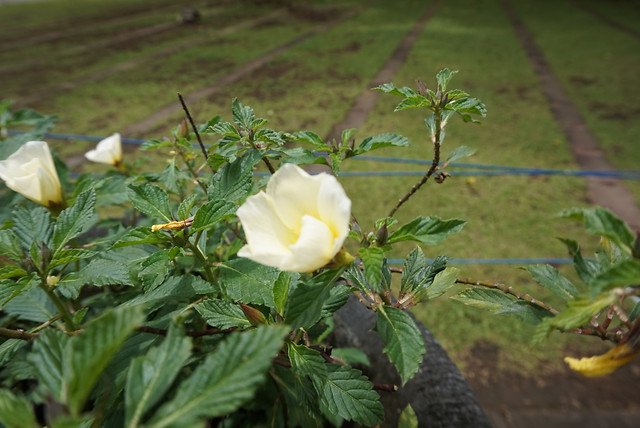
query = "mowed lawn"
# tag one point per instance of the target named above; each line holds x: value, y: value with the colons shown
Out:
x: 312, y: 84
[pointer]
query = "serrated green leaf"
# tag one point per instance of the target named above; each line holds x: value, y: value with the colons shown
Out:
x: 75, y: 220
x: 233, y: 181
x: 65, y: 256
x: 211, y: 214
x: 304, y: 306
x: 578, y: 312
x: 413, y: 102
x: 373, y: 259
x: 427, y: 230
x: 281, y: 289
x: 441, y: 283
x: 185, y: 207
x: 467, y: 105
x: 500, y: 303
x: 87, y: 354
x: 10, y: 289
x: 225, y: 380
x: 174, y: 289
x: 139, y: 236
x: 460, y: 152
x: 11, y: 271
x: 16, y: 412
x: 47, y: 360
x: 311, y: 138
x: 348, y: 393
x: 380, y: 141
x: 150, y: 376
x: 243, y: 115
x: 623, y: 274
x: 356, y: 276
x: 249, y: 282
x: 405, y: 345
x: 101, y: 272
x: 443, y: 77
x: 222, y: 314
x: 351, y: 356
x: 10, y: 246
x: 550, y: 278
x: 408, y: 418
x: 586, y: 269
x: 338, y: 296
x: 32, y: 225
x: 150, y: 200
x: 306, y: 362
x: 9, y: 348
x: 600, y: 221
x: 390, y: 88
x: 31, y: 305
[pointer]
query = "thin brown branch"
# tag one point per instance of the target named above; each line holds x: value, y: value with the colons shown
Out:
x: 17, y: 334
x: 163, y: 332
x: 388, y: 387
x: 193, y: 125
x: 507, y: 290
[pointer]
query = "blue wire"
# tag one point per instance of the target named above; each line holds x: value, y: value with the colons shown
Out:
x: 550, y: 261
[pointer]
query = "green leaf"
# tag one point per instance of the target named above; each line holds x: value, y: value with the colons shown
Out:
x: 441, y: 283
x: 304, y: 306
x: 101, y: 272
x: 9, y: 245
x: 87, y: 355
x: 338, y: 296
x: 586, y: 269
x: 185, y: 207
x: 139, y: 236
x: 281, y: 289
x: 11, y: 271
x: 550, y: 278
x: 427, y: 230
x: 249, y: 282
x: 306, y: 362
x: 443, y: 77
x: 31, y: 305
x: 623, y: 274
x: 577, y: 313
x: 311, y: 138
x: 211, y: 214
x: 75, y: 220
x: 150, y: 376
x: 468, y: 105
x: 348, y: 393
x: 47, y: 360
x: 373, y: 259
x: 150, y: 200
x: 32, y: 225
x: 174, y: 289
x: 222, y: 314
x: 243, y: 115
x: 16, y: 412
x: 390, y: 88
x: 405, y: 345
x: 602, y: 222
x: 408, y: 418
x: 460, y: 152
x: 380, y: 141
x: 225, y: 380
x: 413, y: 102
x: 233, y: 181
x: 500, y: 303
x: 351, y: 356
x: 63, y: 257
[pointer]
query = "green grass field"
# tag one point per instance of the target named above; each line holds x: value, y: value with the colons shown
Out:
x: 313, y: 84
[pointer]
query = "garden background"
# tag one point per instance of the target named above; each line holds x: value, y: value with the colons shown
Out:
x: 556, y: 76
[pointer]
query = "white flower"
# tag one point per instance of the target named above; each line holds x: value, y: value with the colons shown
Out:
x: 30, y: 171
x: 299, y: 224
x: 107, y: 151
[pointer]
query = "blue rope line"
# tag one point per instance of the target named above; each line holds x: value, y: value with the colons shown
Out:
x: 549, y: 261
x: 484, y: 170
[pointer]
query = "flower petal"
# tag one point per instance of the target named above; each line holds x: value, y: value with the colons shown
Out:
x: 313, y: 249
x: 268, y: 238
x: 334, y: 209
x: 107, y: 151
x: 295, y: 194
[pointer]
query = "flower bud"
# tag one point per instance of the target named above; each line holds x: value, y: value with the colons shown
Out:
x: 31, y: 172
x: 254, y: 316
x: 108, y: 151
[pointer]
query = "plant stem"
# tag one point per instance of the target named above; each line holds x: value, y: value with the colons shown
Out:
x: 16, y: 334
x: 66, y: 315
x: 432, y: 169
x: 193, y: 125
x: 205, y: 264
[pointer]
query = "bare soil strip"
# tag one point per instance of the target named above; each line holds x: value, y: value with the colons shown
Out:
x: 119, y: 38
x: 364, y: 104
x: 140, y: 59
x: 74, y: 30
x: 150, y: 123
x: 605, y: 19
x: 607, y: 192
